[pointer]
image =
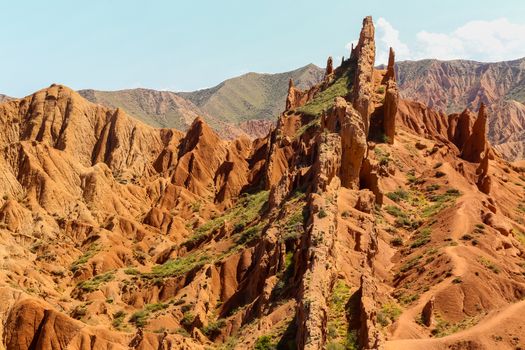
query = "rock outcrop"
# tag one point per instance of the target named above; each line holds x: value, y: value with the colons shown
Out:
x: 364, y: 55
x: 391, y: 100
x: 476, y: 144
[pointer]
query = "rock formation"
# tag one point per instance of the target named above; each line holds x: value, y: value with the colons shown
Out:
x: 391, y: 100
x: 476, y: 144
x: 364, y: 55
x: 329, y: 71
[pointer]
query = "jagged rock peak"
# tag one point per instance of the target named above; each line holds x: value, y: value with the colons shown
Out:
x: 476, y: 144
x: 364, y: 57
x: 390, y: 73
x: 329, y: 67
x: 367, y: 34
x: 199, y: 130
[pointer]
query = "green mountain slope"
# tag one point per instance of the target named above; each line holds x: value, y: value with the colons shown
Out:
x: 252, y: 95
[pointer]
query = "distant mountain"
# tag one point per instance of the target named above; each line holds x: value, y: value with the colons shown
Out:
x: 156, y: 108
x: 451, y: 86
x: 4, y: 98
x: 252, y: 95
x: 229, y: 107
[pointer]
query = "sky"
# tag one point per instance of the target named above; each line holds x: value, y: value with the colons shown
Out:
x: 187, y: 45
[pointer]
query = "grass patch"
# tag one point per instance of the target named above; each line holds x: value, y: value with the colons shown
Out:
x: 139, y: 318
x: 88, y: 254
x: 398, y: 195
x: 118, y: 319
x: 180, y: 266
x: 421, y: 238
x: 444, y: 328
x: 489, y: 264
x: 396, y: 241
x: 315, y: 123
x: 341, y: 306
x: 213, y: 329
x: 325, y: 99
x: 93, y: 284
x: 294, y: 227
x: 247, y: 209
x: 410, y: 263
x: 187, y: 319
x: 249, y: 234
x: 388, y: 313
x: 264, y: 342
x: 131, y: 271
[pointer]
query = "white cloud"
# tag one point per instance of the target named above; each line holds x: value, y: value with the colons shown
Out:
x: 387, y: 37
x: 495, y: 40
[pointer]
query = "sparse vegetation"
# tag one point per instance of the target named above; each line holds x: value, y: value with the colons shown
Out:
x: 410, y: 263
x: 88, y: 254
x: 396, y: 241
x: 139, y: 318
x: 213, y: 328
x: 325, y: 99
x: 118, y: 319
x: 187, y: 319
x: 173, y: 268
x: 489, y: 264
x: 94, y: 283
x: 444, y: 328
x: 264, y: 343
x: 246, y: 210
x: 342, y: 305
x: 389, y: 312
x: 421, y: 238
x: 398, y: 195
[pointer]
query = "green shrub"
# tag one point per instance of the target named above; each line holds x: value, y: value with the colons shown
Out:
x: 389, y: 312
x: 131, y: 271
x: 264, y: 343
x: 395, y: 211
x: 139, y: 318
x: 91, y: 251
x: 94, y: 283
x: 213, y: 328
x: 322, y: 213
x: 398, y: 195
x: 489, y: 264
x: 187, y: 319
x: 180, y: 266
x: 396, y: 241
x: 118, y: 318
x: 410, y: 263
x: 433, y: 187
x: 156, y: 307
x: 421, y: 238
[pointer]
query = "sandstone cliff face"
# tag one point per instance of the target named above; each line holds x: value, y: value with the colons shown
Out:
x: 358, y: 213
x: 450, y: 86
x: 476, y: 144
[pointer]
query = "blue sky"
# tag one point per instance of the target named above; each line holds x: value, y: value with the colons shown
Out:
x: 187, y: 45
